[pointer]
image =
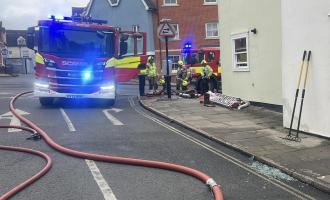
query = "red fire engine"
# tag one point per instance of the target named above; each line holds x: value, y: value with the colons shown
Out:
x: 83, y: 58
x: 193, y: 58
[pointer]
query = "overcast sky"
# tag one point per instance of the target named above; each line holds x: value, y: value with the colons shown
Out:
x: 20, y: 14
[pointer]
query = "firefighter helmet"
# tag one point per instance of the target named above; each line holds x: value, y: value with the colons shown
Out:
x: 203, y: 62
x: 150, y: 58
x: 180, y: 62
x: 185, y: 83
x: 161, y: 81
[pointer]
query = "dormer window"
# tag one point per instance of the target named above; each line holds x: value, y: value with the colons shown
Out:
x: 114, y: 2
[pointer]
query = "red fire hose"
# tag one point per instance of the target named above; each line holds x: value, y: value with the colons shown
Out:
x: 120, y: 160
x: 34, y: 178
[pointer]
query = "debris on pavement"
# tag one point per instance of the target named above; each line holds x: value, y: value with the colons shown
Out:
x: 270, y: 172
x: 228, y: 101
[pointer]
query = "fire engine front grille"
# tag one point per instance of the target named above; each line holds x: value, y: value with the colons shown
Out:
x: 73, y: 81
x: 81, y: 90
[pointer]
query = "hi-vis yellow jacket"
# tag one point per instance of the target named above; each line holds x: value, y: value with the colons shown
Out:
x: 152, y: 70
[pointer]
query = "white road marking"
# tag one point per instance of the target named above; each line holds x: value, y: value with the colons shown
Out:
x: 103, y: 185
x: 14, y: 121
x: 67, y: 120
x: 113, y: 120
x: 225, y: 156
x: 4, y: 93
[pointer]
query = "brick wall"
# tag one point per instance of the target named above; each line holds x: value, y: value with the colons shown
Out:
x: 191, y: 16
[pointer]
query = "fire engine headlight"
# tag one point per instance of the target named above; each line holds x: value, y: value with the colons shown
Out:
x: 108, y: 87
x: 41, y: 85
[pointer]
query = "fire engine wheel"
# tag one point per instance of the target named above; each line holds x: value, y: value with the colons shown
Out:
x: 46, y: 101
x: 111, y: 102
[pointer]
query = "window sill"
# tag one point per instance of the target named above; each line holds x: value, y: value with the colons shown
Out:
x: 245, y: 69
x: 212, y: 38
x: 210, y: 4
x: 169, y: 5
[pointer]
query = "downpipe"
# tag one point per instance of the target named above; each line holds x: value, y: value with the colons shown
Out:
x: 214, y: 187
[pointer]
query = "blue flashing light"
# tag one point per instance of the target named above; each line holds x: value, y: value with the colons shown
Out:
x: 187, y: 46
x: 87, y: 75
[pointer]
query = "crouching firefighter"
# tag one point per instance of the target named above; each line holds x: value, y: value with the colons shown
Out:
x: 183, y: 77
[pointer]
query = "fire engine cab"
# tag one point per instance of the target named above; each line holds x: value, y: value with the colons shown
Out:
x: 192, y: 59
x: 83, y: 58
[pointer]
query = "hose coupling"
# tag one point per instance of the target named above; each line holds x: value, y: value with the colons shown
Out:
x: 211, y: 183
x: 35, y: 136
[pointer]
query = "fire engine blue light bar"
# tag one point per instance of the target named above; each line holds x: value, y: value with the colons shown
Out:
x: 187, y: 45
x: 77, y: 19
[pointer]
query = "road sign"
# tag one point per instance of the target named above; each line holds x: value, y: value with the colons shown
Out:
x: 14, y: 121
x: 166, y: 30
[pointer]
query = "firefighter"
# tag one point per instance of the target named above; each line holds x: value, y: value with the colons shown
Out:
x: 162, y: 82
x: 178, y: 75
x: 184, y: 78
x: 142, y: 79
x: 152, y: 74
x: 206, y: 74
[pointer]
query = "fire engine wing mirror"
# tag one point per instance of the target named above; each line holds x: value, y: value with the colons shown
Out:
x: 138, y: 35
x: 31, y: 32
x: 124, y: 37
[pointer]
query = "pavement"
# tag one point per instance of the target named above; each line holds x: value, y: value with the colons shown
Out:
x: 255, y: 131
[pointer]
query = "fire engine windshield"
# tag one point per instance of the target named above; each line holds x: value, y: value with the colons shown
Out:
x: 192, y: 58
x: 76, y: 43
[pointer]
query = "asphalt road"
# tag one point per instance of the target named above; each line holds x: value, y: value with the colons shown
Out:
x: 130, y: 131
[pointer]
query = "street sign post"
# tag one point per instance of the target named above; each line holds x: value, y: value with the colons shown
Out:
x: 4, y: 52
x: 165, y: 30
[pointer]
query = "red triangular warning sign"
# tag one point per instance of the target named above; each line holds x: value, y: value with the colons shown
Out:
x: 166, y: 30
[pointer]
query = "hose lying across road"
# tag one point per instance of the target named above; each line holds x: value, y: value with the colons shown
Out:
x: 120, y: 160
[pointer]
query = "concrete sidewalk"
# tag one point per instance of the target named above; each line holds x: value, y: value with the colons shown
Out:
x: 255, y: 131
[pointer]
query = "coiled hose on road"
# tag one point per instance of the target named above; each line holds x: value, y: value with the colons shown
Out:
x: 114, y: 159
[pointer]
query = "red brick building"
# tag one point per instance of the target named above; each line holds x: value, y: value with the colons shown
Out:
x: 196, y: 22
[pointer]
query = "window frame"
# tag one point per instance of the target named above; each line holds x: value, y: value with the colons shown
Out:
x: 234, y: 53
x: 170, y: 4
x: 114, y: 4
x: 206, y: 30
x: 210, y: 3
x: 174, y: 70
x: 177, y: 31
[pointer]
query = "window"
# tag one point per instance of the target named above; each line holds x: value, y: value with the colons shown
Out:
x: 177, y: 31
x: 114, y: 2
x: 210, y: 56
x: 193, y: 58
x: 211, y: 30
x: 126, y: 45
x: 170, y: 2
x: 173, y: 60
x: 210, y: 2
x: 240, y: 52
x: 139, y: 43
